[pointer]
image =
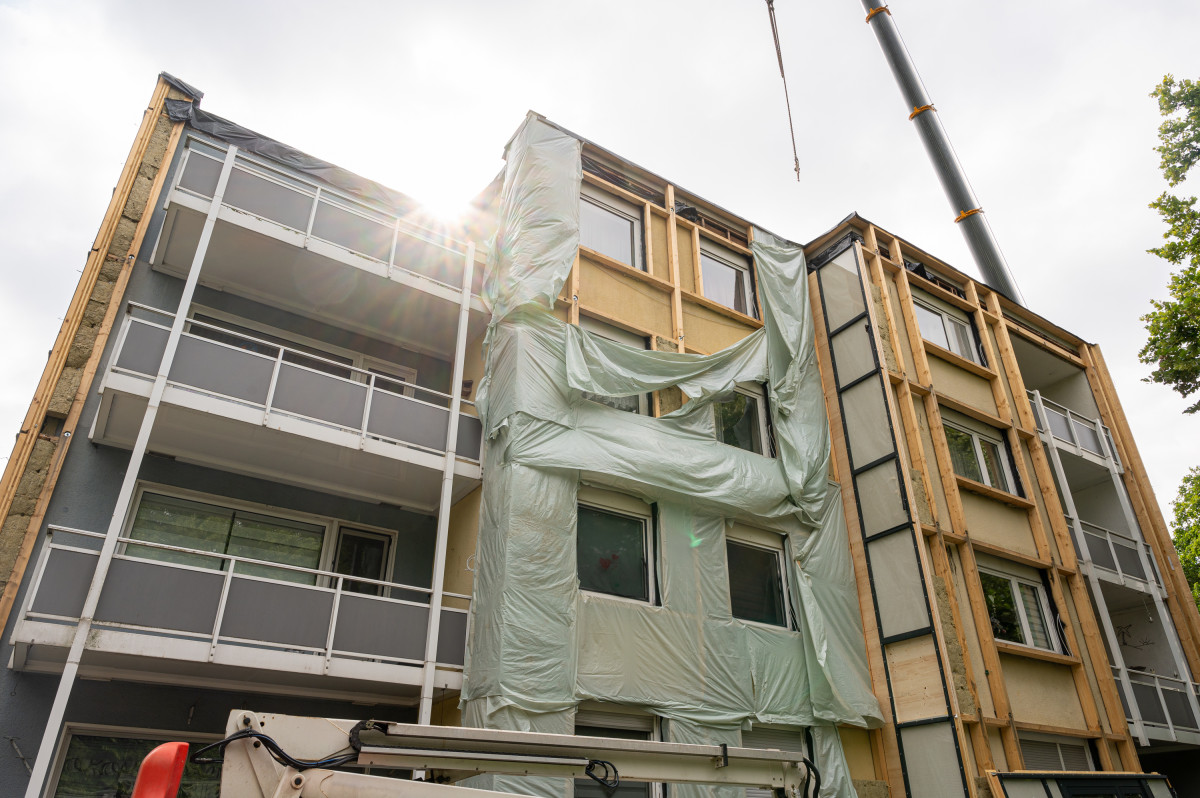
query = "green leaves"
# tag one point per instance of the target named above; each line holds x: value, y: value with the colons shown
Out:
x: 1186, y: 529
x: 1173, y: 326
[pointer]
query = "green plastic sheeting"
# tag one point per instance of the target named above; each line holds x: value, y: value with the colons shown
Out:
x: 538, y: 645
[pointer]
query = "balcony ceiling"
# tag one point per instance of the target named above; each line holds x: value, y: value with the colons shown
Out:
x: 282, y: 274
x: 1039, y: 368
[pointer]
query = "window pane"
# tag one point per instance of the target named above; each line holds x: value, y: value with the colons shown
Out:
x: 1002, y: 608
x: 931, y: 326
x: 996, y: 476
x: 261, y: 537
x: 1038, y: 632
x: 962, y: 453
x: 961, y: 340
x: 723, y: 283
x: 588, y: 788
x: 755, y: 587
x: 607, y: 232
x: 611, y: 554
x: 361, y: 554
x: 103, y: 767
x: 176, y: 522
x: 738, y: 424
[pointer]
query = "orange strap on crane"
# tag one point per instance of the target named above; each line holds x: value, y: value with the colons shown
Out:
x: 965, y: 214
x: 921, y: 110
x: 875, y: 11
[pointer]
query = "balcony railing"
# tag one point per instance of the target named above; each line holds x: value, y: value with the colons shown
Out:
x: 1117, y: 553
x: 250, y: 371
x: 1068, y: 426
x: 316, y: 211
x: 303, y: 610
x: 1162, y: 702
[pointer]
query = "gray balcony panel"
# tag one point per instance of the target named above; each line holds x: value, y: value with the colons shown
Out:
x: 1087, y: 437
x: 372, y: 626
x: 403, y: 419
x: 1101, y: 555
x: 201, y: 175
x: 353, y: 232
x: 1060, y: 426
x: 452, y: 638
x: 1127, y: 557
x: 65, y: 583
x: 1179, y: 708
x: 277, y: 613
x: 220, y: 369
x: 470, y: 436
x: 143, y: 348
x: 249, y: 192
x: 160, y: 596
x: 1147, y: 701
x: 319, y: 396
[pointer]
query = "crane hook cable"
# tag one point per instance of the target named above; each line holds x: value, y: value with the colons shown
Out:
x: 786, y: 99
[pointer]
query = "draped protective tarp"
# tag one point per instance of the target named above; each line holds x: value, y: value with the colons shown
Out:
x: 538, y: 645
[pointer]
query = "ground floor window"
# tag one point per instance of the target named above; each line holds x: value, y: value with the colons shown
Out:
x: 105, y: 765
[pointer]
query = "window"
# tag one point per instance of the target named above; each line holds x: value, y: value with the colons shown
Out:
x: 623, y: 726
x: 757, y: 576
x: 104, y: 763
x: 780, y: 738
x: 220, y: 530
x: 947, y: 330
x: 980, y: 457
x: 614, y: 545
x: 741, y: 420
x: 1052, y: 752
x: 611, y: 226
x: 726, y: 276
x: 639, y: 403
x: 1018, y: 610
x: 362, y: 553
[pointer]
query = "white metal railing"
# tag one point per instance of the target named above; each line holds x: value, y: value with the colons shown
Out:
x: 278, y: 379
x: 348, y: 624
x: 1117, y: 553
x: 1088, y: 434
x: 319, y: 212
x: 1162, y: 701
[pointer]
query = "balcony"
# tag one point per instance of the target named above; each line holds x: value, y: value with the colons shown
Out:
x: 232, y: 619
x: 1117, y: 556
x: 1087, y: 436
x: 1168, y: 707
x: 294, y: 243
x: 251, y: 406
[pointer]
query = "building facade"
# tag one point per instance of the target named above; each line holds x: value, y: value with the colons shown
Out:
x: 661, y: 473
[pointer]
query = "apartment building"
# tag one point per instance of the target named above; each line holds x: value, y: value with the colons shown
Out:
x: 663, y: 474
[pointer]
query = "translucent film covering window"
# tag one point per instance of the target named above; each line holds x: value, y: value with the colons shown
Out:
x: 755, y: 584
x: 611, y: 553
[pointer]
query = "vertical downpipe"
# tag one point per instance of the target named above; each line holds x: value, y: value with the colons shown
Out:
x: 963, y: 202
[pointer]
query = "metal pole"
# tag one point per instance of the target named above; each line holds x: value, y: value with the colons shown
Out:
x: 968, y: 213
x: 45, y: 752
x: 425, y: 711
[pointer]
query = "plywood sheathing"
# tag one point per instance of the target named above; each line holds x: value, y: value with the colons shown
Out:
x: 33, y: 467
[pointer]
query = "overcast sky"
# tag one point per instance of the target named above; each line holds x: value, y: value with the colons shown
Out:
x: 1046, y: 104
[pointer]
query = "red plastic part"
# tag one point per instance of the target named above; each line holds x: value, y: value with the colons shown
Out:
x: 161, y: 772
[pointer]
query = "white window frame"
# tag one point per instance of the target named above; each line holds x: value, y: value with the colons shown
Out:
x: 777, y: 544
x: 622, y: 209
x: 71, y: 729
x: 756, y: 391
x: 615, y: 334
x: 333, y: 526
x: 616, y: 716
x: 613, y: 503
x: 947, y: 318
x: 977, y: 446
x: 734, y: 260
x: 1043, y: 602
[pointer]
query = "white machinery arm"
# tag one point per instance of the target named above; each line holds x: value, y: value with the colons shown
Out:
x: 287, y: 756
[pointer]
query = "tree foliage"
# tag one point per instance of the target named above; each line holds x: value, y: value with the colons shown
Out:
x: 1187, y: 529
x: 1173, y: 327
